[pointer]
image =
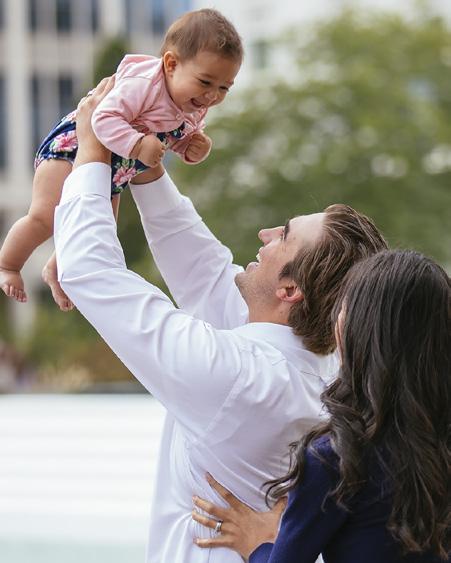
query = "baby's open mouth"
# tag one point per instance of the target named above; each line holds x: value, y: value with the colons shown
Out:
x: 196, y: 104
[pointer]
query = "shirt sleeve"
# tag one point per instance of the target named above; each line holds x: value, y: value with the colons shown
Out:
x: 111, y: 120
x: 196, y: 267
x: 307, y: 525
x: 189, y: 366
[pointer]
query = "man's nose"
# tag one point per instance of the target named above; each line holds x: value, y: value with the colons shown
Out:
x: 265, y: 235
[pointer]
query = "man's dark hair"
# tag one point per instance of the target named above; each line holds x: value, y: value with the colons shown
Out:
x: 203, y: 30
x: 319, y: 270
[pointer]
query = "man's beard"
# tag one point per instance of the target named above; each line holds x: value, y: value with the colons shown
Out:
x: 240, y: 283
x: 247, y: 287
x: 252, y: 290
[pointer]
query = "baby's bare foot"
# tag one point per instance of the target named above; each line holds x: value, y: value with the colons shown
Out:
x: 50, y: 277
x: 11, y: 283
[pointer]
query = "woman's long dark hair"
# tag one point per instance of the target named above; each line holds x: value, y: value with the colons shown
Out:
x: 391, y: 401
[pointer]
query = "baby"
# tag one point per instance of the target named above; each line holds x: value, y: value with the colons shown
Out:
x: 156, y: 104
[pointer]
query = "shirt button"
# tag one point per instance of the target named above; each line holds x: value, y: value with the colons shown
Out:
x: 178, y: 116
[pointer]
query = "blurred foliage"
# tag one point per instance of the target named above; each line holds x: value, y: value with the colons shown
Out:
x: 108, y: 57
x: 62, y: 341
x: 363, y: 118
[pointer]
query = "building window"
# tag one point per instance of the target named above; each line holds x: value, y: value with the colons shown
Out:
x: 128, y: 16
x: 41, y: 15
x: 164, y: 13
x: 51, y: 98
x: 35, y: 114
x: 63, y: 16
x: 33, y: 15
x: 158, y: 19
x: 177, y: 8
x: 66, y: 94
x: 2, y: 123
x: 156, y: 16
x: 94, y: 16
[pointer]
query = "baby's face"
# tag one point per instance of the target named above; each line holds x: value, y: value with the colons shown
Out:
x: 200, y: 82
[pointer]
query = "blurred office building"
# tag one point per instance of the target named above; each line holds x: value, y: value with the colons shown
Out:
x: 47, y: 54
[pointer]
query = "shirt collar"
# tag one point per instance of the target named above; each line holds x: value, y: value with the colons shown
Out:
x: 292, y: 347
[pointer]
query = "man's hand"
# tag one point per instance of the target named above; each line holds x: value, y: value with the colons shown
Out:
x: 149, y: 150
x: 198, y: 148
x: 90, y: 148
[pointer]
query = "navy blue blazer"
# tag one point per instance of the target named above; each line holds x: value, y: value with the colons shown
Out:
x: 359, y: 535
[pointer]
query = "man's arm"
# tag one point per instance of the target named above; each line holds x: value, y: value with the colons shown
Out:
x: 197, y: 268
x: 190, y: 367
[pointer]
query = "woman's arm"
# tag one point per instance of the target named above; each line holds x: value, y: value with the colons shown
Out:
x: 308, y: 523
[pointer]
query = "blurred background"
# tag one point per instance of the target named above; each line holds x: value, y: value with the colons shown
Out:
x: 336, y: 102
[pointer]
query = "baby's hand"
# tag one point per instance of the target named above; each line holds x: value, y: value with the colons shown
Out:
x: 149, y: 150
x: 198, y: 148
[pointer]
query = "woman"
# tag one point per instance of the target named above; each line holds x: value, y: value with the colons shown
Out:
x: 370, y: 484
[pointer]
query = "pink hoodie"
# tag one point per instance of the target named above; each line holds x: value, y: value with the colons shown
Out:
x: 139, y: 104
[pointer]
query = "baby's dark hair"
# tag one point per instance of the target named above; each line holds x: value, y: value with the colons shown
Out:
x: 203, y: 30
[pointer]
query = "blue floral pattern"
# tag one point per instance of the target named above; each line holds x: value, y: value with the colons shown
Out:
x: 61, y: 143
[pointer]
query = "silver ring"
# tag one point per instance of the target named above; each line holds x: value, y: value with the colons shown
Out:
x: 218, y: 527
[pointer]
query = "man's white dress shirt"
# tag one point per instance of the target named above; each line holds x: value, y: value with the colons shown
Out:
x: 236, y: 394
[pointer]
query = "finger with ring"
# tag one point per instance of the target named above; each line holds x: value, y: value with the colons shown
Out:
x: 212, y: 523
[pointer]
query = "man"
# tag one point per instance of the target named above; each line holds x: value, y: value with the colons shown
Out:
x: 239, y: 366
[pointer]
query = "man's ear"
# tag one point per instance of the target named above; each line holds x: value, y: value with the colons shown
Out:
x: 289, y: 292
x: 170, y: 62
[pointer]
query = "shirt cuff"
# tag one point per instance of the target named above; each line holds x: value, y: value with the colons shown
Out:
x: 157, y: 197
x: 91, y: 178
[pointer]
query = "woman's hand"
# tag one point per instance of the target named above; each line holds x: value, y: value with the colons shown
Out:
x: 90, y: 149
x: 242, y: 529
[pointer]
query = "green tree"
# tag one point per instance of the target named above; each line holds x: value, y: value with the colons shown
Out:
x: 108, y: 57
x: 363, y: 118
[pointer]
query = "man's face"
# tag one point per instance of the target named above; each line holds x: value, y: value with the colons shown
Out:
x: 259, y: 282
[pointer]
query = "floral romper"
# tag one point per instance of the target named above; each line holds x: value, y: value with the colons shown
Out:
x: 61, y: 143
